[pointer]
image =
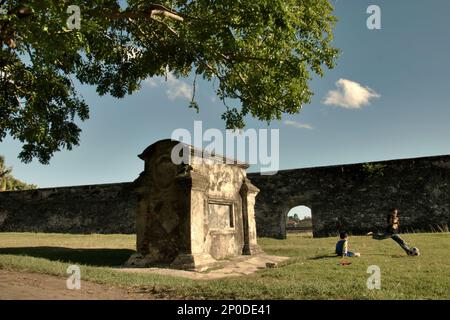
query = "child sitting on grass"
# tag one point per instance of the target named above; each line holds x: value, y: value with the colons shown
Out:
x: 342, y: 247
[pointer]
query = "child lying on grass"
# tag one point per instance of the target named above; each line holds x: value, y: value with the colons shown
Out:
x: 342, y: 247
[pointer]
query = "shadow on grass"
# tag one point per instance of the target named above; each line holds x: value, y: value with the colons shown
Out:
x: 93, y: 257
x: 325, y: 256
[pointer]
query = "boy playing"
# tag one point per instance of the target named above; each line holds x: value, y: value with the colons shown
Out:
x: 393, y: 222
x: 342, y: 247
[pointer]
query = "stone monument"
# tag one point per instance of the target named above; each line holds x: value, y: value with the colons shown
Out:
x: 192, y: 214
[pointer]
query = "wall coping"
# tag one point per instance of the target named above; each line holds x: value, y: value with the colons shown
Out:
x: 387, y: 162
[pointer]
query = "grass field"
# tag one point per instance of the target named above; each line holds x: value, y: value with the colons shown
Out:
x: 311, y: 273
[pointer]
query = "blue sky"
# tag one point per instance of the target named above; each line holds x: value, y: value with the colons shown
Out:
x: 402, y: 71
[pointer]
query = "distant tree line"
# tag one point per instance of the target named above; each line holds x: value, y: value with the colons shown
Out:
x: 8, y: 182
x: 295, y: 222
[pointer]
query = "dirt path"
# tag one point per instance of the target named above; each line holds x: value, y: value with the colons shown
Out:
x: 25, y: 285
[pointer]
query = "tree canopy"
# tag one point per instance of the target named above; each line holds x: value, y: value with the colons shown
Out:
x: 260, y: 52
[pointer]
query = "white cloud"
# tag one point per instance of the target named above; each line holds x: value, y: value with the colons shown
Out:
x: 151, y: 82
x: 349, y: 95
x: 298, y: 125
x: 175, y: 88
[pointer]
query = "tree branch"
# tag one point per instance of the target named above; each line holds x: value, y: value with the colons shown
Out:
x: 167, y: 14
x: 154, y: 10
x: 166, y: 25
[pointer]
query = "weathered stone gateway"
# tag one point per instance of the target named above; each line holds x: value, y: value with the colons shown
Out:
x: 352, y: 197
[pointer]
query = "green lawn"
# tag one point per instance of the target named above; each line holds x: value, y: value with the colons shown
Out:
x: 311, y: 273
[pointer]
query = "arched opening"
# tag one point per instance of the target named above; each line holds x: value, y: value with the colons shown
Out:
x: 299, y: 219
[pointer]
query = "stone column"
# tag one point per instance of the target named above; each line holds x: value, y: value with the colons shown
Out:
x: 195, y: 209
x: 248, y: 194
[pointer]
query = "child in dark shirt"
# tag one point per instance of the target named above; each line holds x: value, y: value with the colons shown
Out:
x: 393, y: 223
x: 342, y: 247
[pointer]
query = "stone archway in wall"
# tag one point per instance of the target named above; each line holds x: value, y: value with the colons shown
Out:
x: 294, y: 201
x: 272, y: 209
x: 299, y: 219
